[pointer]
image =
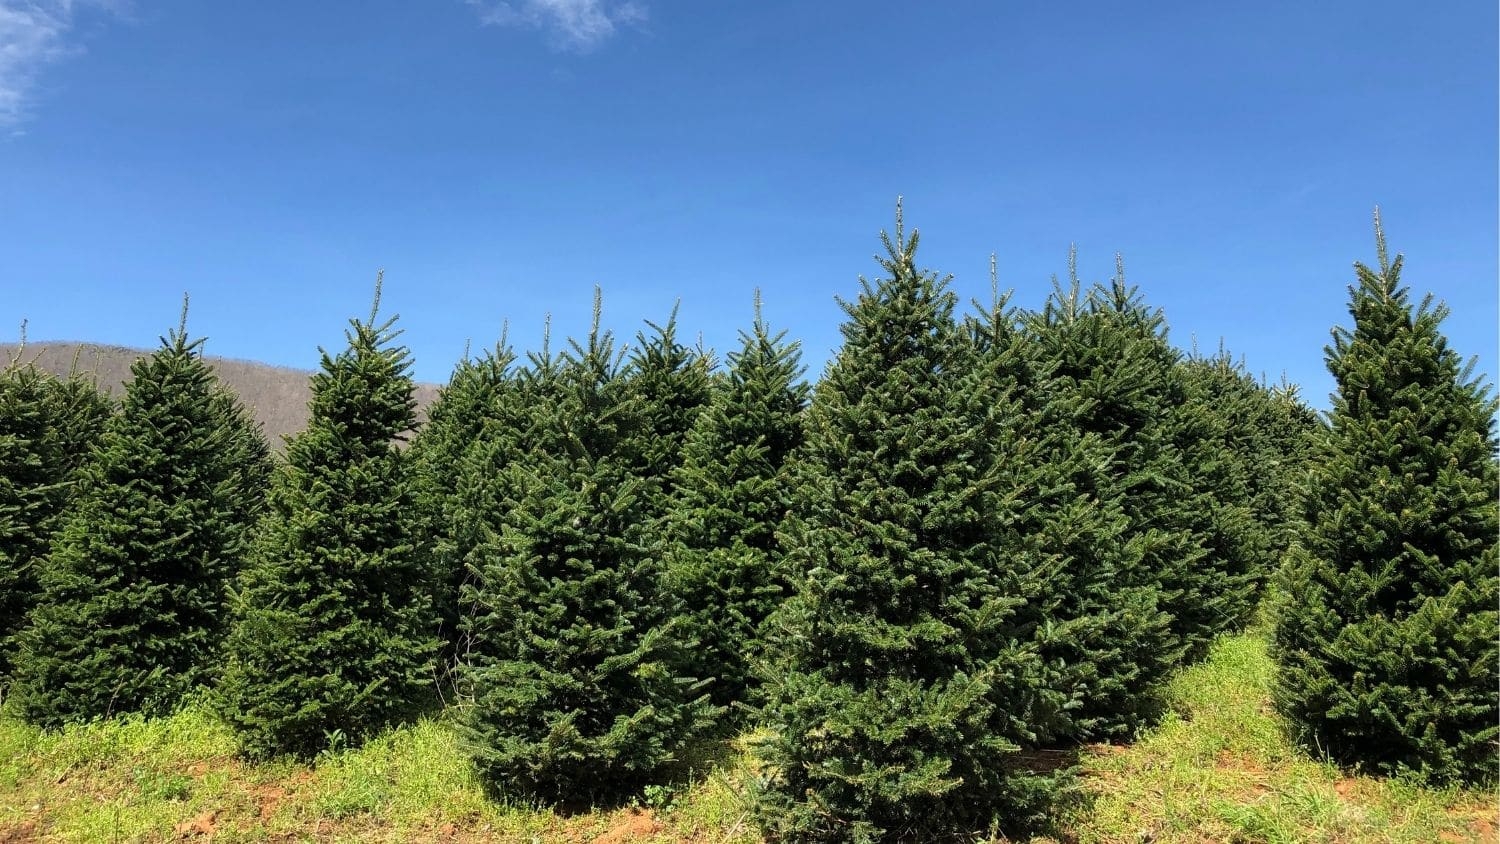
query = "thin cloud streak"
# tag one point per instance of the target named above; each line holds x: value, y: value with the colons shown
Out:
x: 579, y: 25
x: 31, y: 37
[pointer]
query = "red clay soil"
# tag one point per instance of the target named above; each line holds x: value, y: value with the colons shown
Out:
x: 638, y: 825
x: 204, y: 824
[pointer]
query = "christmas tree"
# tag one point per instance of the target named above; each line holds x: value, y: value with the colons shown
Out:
x: 470, y: 403
x: 47, y: 427
x: 334, y: 633
x: 132, y: 606
x: 572, y: 684
x: 670, y: 387
x: 1102, y: 637
x: 1249, y: 462
x: 732, y: 493
x: 901, y: 688
x: 1386, y: 636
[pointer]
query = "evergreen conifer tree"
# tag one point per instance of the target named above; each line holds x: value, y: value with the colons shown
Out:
x: 670, y: 383
x: 1294, y: 430
x: 1387, y: 639
x: 1122, y: 378
x: 573, y: 695
x: 1250, y: 463
x: 901, y: 688
x: 515, y: 424
x: 132, y: 607
x: 1224, y: 589
x: 1096, y: 620
x: 334, y: 633
x: 47, y: 426
x: 471, y: 402
x: 732, y: 492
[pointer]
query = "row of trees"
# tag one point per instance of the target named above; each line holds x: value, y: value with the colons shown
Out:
x: 981, y: 539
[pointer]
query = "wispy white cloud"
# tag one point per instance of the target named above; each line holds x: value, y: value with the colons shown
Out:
x: 578, y: 25
x: 33, y: 34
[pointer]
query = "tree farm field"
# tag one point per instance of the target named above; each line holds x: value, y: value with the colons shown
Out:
x: 1218, y: 767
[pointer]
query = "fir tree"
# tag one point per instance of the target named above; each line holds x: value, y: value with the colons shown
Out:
x: 573, y: 695
x: 1250, y: 463
x: 47, y: 427
x: 515, y: 423
x: 670, y: 383
x: 1096, y: 620
x: 1224, y: 589
x: 1122, y: 378
x: 471, y: 402
x: 732, y: 492
x: 334, y: 632
x: 901, y: 688
x: 1294, y: 429
x: 1387, y: 635
x: 133, y: 595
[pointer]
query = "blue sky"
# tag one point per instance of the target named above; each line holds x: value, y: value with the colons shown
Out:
x: 499, y: 159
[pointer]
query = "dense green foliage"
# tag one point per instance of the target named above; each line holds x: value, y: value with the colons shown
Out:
x: 47, y: 426
x: 1387, y: 634
x: 1099, y: 631
x: 974, y: 545
x: 514, y: 423
x: 571, y: 689
x: 903, y: 682
x: 669, y: 386
x: 132, y: 607
x: 1109, y: 386
x: 334, y: 634
x: 1249, y: 459
x: 731, y: 495
x: 470, y: 403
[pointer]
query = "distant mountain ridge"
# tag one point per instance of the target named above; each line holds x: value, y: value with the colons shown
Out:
x: 277, y: 396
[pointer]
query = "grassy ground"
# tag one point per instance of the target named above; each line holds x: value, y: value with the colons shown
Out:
x: 1219, y: 768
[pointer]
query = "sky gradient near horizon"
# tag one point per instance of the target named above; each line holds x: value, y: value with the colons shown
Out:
x: 500, y: 159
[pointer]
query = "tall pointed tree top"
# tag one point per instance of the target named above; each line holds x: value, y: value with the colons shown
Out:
x: 1380, y: 251
x: 902, y: 250
x: 375, y: 305
x: 1385, y: 285
x: 182, y: 319
x: 15, y: 357
x: 994, y: 283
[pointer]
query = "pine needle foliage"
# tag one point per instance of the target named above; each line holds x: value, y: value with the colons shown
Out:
x: 1108, y: 384
x: 670, y: 383
x: 334, y: 634
x: 732, y: 492
x: 1128, y: 386
x: 1386, y: 638
x: 1095, y: 619
x: 131, y: 613
x: 572, y: 695
x: 901, y: 689
x: 1250, y: 462
x: 515, y: 424
x: 472, y: 401
x: 47, y: 426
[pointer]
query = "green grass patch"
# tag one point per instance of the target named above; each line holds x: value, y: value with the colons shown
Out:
x: 1218, y: 768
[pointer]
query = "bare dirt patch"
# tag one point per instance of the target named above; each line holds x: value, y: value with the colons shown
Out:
x: 204, y: 824
x: 636, y: 825
x: 23, y: 834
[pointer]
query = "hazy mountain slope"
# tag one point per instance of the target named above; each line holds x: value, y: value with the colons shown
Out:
x: 276, y: 395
